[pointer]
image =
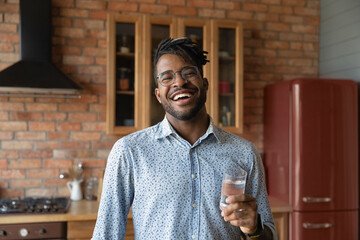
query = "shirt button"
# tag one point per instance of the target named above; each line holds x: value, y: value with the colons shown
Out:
x: 193, y: 236
x: 193, y: 176
x: 194, y: 205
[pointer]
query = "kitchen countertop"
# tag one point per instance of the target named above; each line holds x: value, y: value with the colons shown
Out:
x: 79, y: 211
x: 87, y: 210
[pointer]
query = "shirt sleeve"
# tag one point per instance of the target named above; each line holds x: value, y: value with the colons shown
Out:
x: 117, y: 194
x: 257, y: 188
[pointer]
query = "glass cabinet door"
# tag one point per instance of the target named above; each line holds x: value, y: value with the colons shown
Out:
x: 122, y: 73
x: 227, y: 75
x: 197, y: 30
x: 156, y: 29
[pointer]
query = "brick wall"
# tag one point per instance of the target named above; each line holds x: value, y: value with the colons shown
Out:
x: 41, y: 137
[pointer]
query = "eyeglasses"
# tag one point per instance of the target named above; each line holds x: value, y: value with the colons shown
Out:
x: 189, y: 73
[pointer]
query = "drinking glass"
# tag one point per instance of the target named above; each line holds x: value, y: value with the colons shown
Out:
x: 233, y: 184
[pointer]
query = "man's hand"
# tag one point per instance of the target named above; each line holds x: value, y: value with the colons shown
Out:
x: 241, y: 212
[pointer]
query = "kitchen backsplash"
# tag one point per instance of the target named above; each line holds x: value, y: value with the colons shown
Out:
x: 43, y: 137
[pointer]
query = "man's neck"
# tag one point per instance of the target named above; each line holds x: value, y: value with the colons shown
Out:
x: 191, y: 130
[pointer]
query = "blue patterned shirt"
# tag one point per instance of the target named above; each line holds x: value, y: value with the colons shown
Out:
x: 174, y: 187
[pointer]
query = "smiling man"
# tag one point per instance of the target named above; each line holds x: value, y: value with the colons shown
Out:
x: 171, y: 173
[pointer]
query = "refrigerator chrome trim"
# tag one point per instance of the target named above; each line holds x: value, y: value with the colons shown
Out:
x: 316, y: 199
x: 316, y: 225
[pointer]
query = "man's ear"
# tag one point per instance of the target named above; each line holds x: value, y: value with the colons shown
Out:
x: 206, y: 83
x: 157, y: 94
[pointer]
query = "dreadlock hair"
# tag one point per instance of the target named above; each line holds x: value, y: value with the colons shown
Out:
x: 183, y: 47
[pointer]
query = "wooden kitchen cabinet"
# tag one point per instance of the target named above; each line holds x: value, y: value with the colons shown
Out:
x: 135, y: 108
x: 77, y: 230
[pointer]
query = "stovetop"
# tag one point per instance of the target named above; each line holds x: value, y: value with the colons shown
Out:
x: 34, y: 205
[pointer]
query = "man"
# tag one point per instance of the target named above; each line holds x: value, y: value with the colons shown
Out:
x: 171, y: 173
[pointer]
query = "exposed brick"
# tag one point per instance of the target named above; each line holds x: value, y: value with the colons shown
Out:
x: 94, y: 14
x: 85, y: 136
x: 278, y: 27
x: 75, y: 145
x: 6, y: 106
x: 11, y: 18
x: 276, y: 44
x: 201, y: 3
x: 227, y: 5
x: 25, y: 163
x: 9, y: 154
x: 13, y: 126
x: 10, y: 27
x: 37, y: 154
x: 91, y: 24
x: 62, y: 3
x: 41, y: 107
x: 12, y: 174
x: 26, y: 116
x: 123, y: 6
x: 255, y: 7
x: 41, y: 126
x: 213, y: 13
x: 300, y: 28
x: 47, y: 145
x: 91, y: 4
x: 40, y: 192
x: 183, y: 11
x: 42, y: 173
x: 84, y: 42
x: 6, y: 135
x: 69, y: 126
x: 153, y: 8
x: 239, y: 15
x: 58, y: 163
x: 58, y: 135
x: 61, y: 21
x: 4, y: 116
x: 272, y: 17
x: 25, y: 183
x: 3, y: 163
x: 94, y: 126
x: 71, y: 12
x: 306, y: 11
x: 94, y: 162
x: 30, y: 135
x: 97, y: 52
x: 55, y: 116
x: 69, y: 32
x: 9, y: 38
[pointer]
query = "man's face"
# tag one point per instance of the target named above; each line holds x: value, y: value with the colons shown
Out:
x: 182, y: 99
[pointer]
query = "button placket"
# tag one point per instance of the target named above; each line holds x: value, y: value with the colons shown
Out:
x: 196, y: 192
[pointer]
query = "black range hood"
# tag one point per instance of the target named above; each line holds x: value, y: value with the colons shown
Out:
x: 34, y: 72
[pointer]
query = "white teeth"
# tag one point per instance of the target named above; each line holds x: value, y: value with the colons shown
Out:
x: 181, y: 95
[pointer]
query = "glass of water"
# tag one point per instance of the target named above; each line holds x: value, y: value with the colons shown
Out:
x: 233, y: 184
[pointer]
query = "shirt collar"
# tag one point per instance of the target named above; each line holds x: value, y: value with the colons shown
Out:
x: 165, y: 129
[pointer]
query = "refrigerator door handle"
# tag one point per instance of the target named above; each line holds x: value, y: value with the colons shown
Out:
x: 316, y: 225
x: 316, y: 199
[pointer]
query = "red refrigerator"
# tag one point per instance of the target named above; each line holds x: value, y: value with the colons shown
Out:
x: 311, y: 155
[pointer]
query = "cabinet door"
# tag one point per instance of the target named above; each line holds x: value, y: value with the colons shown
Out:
x: 155, y: 30
x: 324, y: 225
x: 226, y: 89
x: 123, y: 74
x: 198, y: 30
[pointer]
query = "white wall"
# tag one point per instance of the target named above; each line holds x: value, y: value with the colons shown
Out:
x: 340, y: 39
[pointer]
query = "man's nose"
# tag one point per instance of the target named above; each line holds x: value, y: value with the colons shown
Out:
x: 178, y: 79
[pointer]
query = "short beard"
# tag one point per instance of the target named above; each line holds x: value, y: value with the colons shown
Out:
x: 187, y: 115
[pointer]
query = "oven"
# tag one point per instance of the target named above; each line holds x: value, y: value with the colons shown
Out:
x: 26, y: 206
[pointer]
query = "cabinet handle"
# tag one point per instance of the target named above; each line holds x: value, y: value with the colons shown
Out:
x: 316, y: 200
x: 316, y: 225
